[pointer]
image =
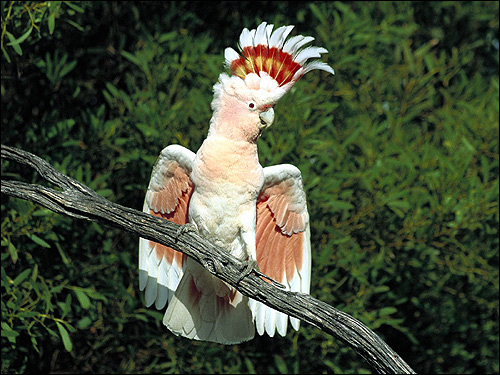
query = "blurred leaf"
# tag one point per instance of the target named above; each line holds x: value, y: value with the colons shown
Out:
x: 13, y: 252
x: 340, y: 205
x: 84, y: 323
x: 38, y: 240
x: 82, y: 298
x: 74, y: 6
x: 19, y: 40
x: 68, y: 345
x: 52, y: 23
x: 14, y: 43
x: 387, y: 311
x: 280, y: 365
x: 21, y: 277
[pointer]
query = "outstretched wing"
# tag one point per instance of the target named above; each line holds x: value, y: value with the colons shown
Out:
x: 283, y: 241
x: 168, y: 194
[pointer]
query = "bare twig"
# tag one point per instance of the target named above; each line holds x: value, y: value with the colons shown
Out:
x: 77, y: 200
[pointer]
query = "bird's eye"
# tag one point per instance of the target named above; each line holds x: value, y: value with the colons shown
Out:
x: 251, y: 105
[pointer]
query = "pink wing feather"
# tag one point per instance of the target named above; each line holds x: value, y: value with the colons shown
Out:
x: 169, y: 191
x: 283, y: 241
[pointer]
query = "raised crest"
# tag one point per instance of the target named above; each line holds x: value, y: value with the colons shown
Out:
x: 262, y: 50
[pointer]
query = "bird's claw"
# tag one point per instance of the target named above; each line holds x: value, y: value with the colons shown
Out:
x: 185, y: 228
x: 250, y: 266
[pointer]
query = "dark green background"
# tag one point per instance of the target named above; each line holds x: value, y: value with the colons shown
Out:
x: 398, y: 151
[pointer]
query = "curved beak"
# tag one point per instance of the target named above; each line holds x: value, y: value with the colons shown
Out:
x: 266, y: 118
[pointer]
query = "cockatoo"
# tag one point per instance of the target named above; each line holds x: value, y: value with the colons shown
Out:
x: 257, y: 214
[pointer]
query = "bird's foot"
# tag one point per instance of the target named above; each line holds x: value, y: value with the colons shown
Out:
x: 185, y: 228
x: 251, y: 266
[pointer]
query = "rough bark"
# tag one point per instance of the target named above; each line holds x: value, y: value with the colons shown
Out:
x: 78, y: 201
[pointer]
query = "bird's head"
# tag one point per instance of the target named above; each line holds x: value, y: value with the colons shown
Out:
x: 266, y: 68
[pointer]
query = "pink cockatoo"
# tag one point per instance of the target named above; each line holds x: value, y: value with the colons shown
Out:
x: 257, y: 214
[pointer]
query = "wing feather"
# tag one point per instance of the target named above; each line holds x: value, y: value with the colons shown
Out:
x: 283, y: 241
x: 168, y: 194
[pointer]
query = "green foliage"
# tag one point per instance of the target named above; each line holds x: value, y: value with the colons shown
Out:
x: 22, y: 17
x: 398, y: 151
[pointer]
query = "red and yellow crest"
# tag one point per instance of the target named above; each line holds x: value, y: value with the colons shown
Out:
x: 262, y: 50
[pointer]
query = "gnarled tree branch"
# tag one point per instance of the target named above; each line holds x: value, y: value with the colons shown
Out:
x: 77, y: 200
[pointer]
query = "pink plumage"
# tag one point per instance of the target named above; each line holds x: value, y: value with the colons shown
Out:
x: 256, y: 214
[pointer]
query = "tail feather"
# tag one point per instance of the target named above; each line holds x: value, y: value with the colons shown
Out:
x: 202, y: 313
